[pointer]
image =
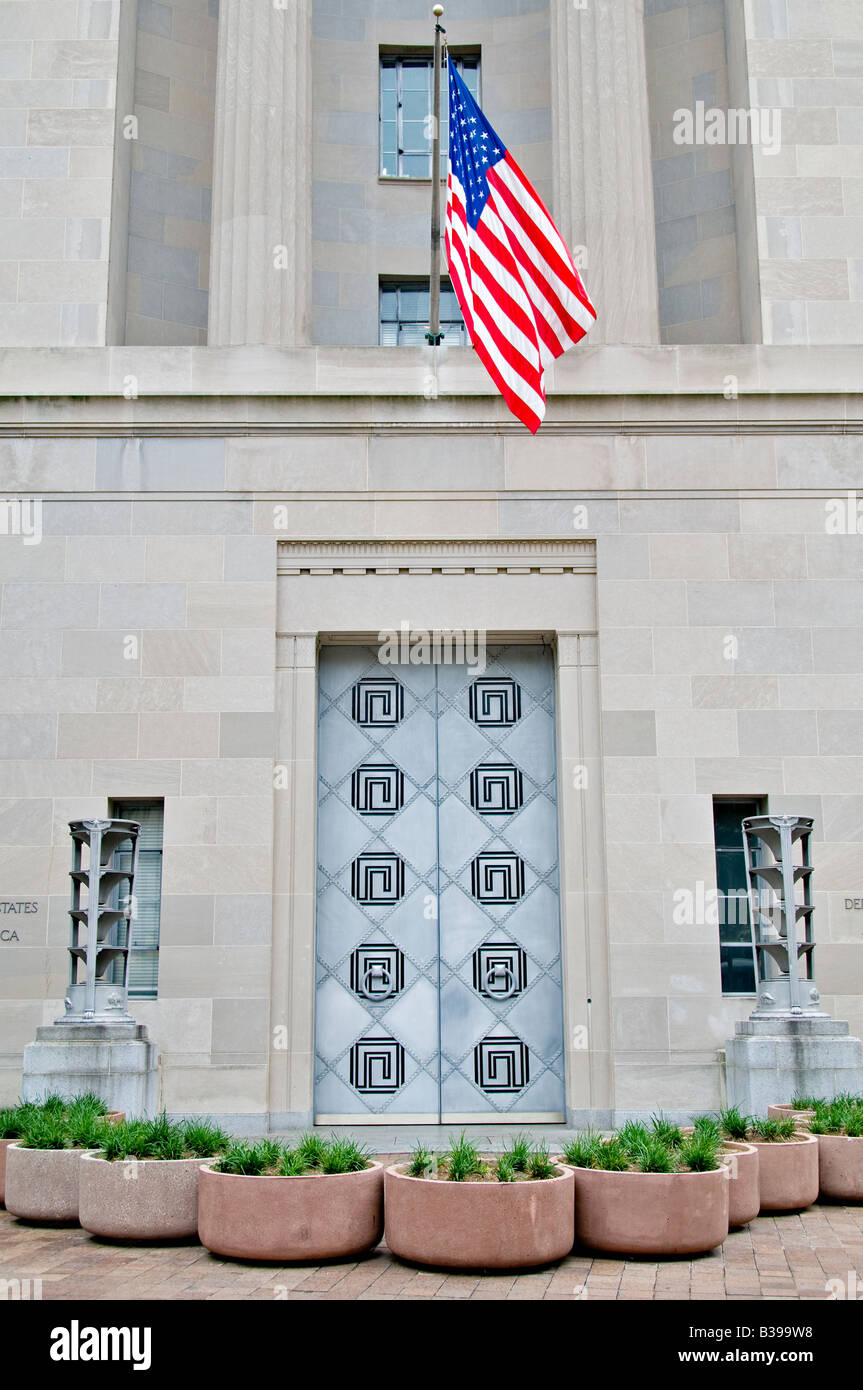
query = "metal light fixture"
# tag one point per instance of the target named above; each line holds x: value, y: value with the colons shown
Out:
x: 101, y: 926
x: 779, y: 876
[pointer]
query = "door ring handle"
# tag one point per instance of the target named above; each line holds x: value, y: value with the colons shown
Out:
x: 377, y: 972
x: 500, y: 969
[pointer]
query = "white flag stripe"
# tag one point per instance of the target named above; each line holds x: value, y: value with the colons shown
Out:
x: 524, y: 388
x: 542, y: 310
x: 508, y: 331
x: 534, y: 209
x: 570, y: 301
x: 513, y: 379
x: 514, y: 288
x: 532, y: 290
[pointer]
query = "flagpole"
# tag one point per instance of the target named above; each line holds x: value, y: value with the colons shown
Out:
x: 434, y: 335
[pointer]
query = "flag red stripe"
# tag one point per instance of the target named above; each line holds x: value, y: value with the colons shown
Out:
x: 571, y: 326
x: 565, y: 272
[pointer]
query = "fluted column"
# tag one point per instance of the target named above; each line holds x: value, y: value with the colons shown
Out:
x: 603, y: 185
x: 261, y: 228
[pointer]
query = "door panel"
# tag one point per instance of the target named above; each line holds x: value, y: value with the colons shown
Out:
x: 438, y: 921
x: 501, y: 998
x: 378, y: 1039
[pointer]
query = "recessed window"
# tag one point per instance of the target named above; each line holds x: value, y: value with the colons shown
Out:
x: 147, y: 890
x: 405, y: 114
x: 737, y: 958
x: 405, y: 314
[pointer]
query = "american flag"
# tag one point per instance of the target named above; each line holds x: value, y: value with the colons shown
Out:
x: 521, y: 296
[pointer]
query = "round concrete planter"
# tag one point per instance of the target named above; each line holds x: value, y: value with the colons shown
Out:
x: 651, y: 1213
x: 788, y: 1172
x: 840, y: 1163
x: 801, y: 1118
x: 481, y: 1225
x: 744, y: 1188
x: 316, y: 1216
x: 135, y: 1199
x: 42, y: 1184
x: 4, y: 1144
x: 115, y: 1117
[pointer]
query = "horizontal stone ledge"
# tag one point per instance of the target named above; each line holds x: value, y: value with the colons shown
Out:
x: 431, y: 374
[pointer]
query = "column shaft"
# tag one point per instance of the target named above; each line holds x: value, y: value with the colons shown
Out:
x: 602, y: 161
x: 261, y: 229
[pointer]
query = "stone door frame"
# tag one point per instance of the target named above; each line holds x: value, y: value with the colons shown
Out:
x: 327, y: 593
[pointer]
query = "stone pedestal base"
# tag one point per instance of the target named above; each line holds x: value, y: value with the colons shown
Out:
x: 772, y: 1059
x: 115, y: 1060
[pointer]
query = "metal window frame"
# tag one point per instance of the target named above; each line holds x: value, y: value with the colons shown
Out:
x: 145, y: 801
x: 407, y: 283
x: 760, y: 805
x: 397, y: 61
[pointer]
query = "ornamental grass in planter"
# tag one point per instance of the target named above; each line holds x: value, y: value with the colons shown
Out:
x: 650, y: 1190
x: 143, y: 1184
x: 744, y: 1188
x: 787, y: 1163
x: 43, y: 1165
x: 801, y: 1109
x: 838, y: 1127
x: 321, y: 1200
x: 12, y: 1124
x: 461, y: 1210
x: 740, y: 1160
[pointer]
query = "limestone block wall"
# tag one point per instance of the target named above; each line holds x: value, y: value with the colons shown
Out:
x: 729, y: 587
x: 365, y: 227
x: 805, y: 61
x: 172, y: 172
x: 694, y: 195
x: 137, y: 660
x: 729, y: 641
x: 58, y: 77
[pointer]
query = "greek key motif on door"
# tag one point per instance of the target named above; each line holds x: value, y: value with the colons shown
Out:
x: 501, y: 1064
x: 375, y: 702
x: 496, y: 789
x: 497, y: 877
x: 377, y: 790
x: 377, y: 879
x: 495, y: 703
x: 377, y: 1066
x: 377, y: 972
x: 499, y: 970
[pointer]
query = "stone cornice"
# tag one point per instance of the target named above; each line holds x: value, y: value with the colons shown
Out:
x: 434, y: 378
x: 349, y: 557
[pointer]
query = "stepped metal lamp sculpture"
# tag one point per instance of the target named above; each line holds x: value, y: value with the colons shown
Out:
x: 106, y: 916
x: 789, y: 1045
x: 97, y: 1045
x: 781, y: 908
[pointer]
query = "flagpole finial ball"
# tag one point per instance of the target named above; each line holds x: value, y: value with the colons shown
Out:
x: 437, y: 11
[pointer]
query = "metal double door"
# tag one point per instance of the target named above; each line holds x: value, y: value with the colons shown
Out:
x: 438, y: 960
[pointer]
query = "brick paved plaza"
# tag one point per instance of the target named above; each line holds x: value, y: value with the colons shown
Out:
x: 781, y: 1257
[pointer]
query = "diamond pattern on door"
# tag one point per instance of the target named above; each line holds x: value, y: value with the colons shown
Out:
x: 501, y: 996
x: 438, y: 921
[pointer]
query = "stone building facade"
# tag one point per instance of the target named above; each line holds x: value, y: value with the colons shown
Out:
x: 231, y: 480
